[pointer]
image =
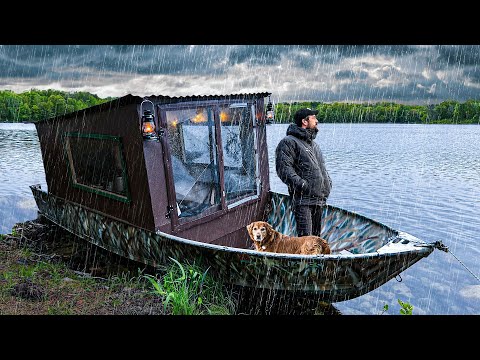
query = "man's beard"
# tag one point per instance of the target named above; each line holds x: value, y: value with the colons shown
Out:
x: 313, y: 132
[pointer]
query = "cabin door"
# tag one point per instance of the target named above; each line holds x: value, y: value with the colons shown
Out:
x: 193, y: 170
x: 210, y: 158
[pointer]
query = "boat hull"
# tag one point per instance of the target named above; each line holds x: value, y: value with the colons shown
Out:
x: 336, y: 277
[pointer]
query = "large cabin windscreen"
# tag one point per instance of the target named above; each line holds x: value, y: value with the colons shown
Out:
x: 191, y: 136
x: 196, y: 163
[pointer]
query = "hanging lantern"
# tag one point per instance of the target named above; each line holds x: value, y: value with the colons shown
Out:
x: 148, y: 125
x: 270, y: 113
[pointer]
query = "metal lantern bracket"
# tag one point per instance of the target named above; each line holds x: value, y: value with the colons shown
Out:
x: 153, y: 107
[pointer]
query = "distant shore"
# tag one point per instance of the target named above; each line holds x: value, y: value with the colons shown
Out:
x: 35, y: 105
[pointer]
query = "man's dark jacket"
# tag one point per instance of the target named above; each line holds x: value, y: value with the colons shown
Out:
x: 299, y: 163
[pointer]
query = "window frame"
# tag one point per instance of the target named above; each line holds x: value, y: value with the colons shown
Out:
x: 179, y: 223
x: 230, y: 204
x: 71, y: 169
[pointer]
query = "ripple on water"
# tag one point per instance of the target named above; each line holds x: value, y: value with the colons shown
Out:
x: 471, y: 291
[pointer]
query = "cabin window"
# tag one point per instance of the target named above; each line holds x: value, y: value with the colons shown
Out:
x: 192, y: 143
x: 239, y: 159
x: 96, y: 164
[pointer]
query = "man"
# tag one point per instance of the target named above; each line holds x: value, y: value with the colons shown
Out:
x: 300, y: 165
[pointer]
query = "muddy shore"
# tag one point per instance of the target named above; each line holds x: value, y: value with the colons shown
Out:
x: 46, y: 270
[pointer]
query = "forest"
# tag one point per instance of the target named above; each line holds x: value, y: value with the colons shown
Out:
x: 446, y: 112
x: 35, y: 105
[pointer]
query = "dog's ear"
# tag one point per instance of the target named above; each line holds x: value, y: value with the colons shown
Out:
x: 268, y: 227
x: 249, y: 229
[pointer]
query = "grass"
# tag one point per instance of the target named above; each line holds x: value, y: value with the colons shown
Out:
x: 189, y: 290
x: 44, y: 270
x: 34, y: 282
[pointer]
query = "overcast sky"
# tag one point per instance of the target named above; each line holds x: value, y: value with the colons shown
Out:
x: 413, y: 74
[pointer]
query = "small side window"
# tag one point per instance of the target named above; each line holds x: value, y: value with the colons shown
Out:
x: 96, y: 164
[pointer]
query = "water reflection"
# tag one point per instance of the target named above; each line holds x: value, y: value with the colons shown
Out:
x: 20, y: 166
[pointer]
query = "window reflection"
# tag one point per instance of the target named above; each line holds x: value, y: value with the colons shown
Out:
x: 238, y: 144
x: 191, y: 136
x: 96, y: 163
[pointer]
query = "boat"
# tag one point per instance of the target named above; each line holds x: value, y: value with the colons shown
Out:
x: 159, y: 178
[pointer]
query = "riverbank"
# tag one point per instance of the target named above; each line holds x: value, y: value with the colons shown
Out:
x: 47, y: 271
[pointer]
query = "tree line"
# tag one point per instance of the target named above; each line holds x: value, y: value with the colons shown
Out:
x: 35, y: 105
x: 446, y: 112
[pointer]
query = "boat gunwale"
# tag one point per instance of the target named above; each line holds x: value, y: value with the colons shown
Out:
x: 423, y: 247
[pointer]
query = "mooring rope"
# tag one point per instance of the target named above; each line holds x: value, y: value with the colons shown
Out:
x: 440, y: 246
x: 475, y: 276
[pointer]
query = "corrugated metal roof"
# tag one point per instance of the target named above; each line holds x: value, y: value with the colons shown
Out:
x: 165, y: 99
x: 210, y: 97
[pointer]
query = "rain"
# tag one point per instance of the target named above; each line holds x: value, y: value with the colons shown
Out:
x: 418, y: 178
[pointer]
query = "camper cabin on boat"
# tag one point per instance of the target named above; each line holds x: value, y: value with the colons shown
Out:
x: 195, y: 166
x: 160, y: 178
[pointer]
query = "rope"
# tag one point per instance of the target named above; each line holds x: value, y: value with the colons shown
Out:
x: 475, y: 276
x: 440, y: 246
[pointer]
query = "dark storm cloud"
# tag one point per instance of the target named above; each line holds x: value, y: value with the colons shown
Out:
x: 270, y: 55
x: 333, y: 53
x: 38, y: 60
x: 293, y: 72
x: 350, y: 74
x: 416, y: 91
x: 15, y: 69
x: 361, y: 92
x: 42, y: 60
x: 459, y: 54
x: 473, y: 74
x: 148, y: 59
x: 345, y: 74
x: 392, y: 50
x: 256, y: 54
x: 57, y: 60
x: 132, y: 59
x: 42, y: 52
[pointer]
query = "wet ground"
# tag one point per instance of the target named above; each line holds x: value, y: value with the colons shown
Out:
x: 50, y: 243
x: 44, y: 270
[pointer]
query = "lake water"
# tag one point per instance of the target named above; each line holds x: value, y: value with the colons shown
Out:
x: 422, y: 179
x: 20, y: 166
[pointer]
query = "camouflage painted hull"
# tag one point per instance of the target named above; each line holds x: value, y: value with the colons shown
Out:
x: 365, y: 253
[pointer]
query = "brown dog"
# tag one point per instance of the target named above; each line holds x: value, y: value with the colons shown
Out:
x: 265, y: 238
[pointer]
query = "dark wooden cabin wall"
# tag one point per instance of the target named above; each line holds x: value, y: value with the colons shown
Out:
x: 117, y: 121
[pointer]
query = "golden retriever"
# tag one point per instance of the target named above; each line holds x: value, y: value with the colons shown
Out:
x: 265, y: 238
